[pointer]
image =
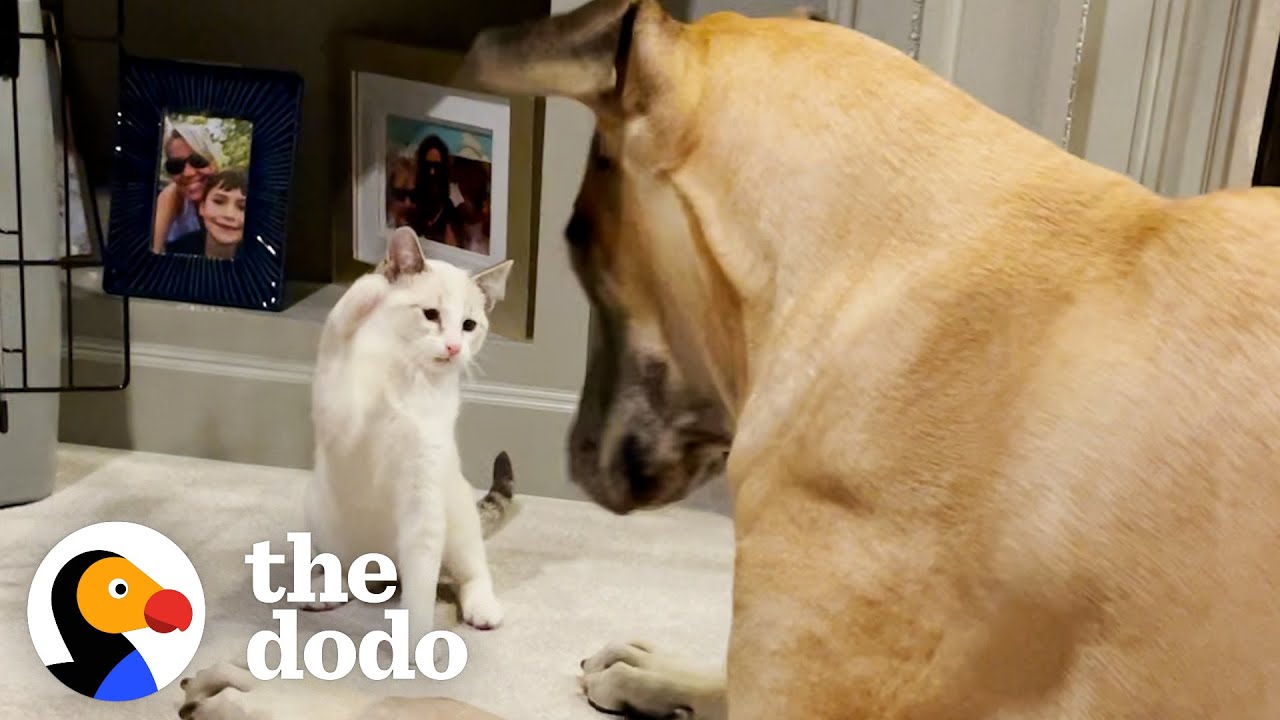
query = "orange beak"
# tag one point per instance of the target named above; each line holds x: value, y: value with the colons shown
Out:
x: 168, y: 610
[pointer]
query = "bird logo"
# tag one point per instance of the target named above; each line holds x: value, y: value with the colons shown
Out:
x: 116, y: 611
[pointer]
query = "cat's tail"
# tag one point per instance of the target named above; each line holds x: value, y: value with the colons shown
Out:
x: 498, y: 506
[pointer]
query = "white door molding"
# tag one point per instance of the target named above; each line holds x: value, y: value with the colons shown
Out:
x: 1015, y: 56
x: 940, y: 33
x: 1168, y: 80
x: 1233, y: 153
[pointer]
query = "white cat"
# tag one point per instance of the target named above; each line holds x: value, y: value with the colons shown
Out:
x: 385, y: 401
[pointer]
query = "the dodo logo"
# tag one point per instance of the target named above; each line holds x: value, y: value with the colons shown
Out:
x: 116, y: 611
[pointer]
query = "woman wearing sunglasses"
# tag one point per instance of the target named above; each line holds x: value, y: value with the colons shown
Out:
x: 189, y: 161
x: 401, y: 181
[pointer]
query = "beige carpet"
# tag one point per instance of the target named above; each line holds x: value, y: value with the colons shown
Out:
x: 571, y: 577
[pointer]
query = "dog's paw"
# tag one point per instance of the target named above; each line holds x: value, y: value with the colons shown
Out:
x: 636, y: 653
x: 226, y: 705
x: 631, y: 679
x: 214, y: 693
x: 481, y: 610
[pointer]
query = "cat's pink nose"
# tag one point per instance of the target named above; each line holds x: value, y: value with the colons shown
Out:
x: 452, y: 349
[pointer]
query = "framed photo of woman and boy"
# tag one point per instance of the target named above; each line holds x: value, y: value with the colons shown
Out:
x: 200, y: 192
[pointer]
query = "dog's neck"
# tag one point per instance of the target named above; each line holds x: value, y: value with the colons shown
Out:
x: 834, y: 218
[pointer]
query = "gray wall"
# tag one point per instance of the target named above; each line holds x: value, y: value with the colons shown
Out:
x: 232, y: 385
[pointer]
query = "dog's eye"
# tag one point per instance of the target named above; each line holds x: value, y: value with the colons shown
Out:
x: 468, y: 325
x: 431, y: 314
x: 579, y: 230
x: 598, y: 158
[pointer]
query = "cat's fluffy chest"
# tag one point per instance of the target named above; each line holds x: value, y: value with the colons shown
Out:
x: 385, y: 400
x: 388, y: 434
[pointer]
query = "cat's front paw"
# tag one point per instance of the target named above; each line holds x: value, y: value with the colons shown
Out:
x: 481, y: 610
x: 318, y: 606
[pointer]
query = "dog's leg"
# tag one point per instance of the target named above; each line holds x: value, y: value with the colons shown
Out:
x: 631, y: 679
x: 228, y: 691
x: 212, y: 692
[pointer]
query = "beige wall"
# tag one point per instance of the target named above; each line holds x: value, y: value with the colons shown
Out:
x: 233, y: 385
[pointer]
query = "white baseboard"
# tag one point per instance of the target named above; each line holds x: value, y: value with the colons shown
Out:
x: 263, y: 369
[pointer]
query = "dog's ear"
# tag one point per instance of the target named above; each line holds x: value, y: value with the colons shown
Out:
x: 613, y: 55
x: 808, y: 12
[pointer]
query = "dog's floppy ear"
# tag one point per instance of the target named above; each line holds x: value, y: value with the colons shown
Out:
x: 608, y: 54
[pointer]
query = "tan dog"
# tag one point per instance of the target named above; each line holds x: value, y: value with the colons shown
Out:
x: 1005, y: 426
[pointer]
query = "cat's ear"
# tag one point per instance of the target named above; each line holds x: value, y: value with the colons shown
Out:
x: 404, y: 254
x: 493, y: 283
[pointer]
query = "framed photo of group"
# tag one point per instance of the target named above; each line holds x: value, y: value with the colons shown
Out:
x: 203, y: 166
x: 457, y: 165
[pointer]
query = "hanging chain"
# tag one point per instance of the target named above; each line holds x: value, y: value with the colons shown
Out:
x: 1075, y: 72
x: 917, y: 22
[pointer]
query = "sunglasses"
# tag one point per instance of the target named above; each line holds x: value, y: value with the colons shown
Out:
x: 401, y: 194
x: 175, y: 166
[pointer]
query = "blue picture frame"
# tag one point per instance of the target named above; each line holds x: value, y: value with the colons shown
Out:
x: 152, y: 93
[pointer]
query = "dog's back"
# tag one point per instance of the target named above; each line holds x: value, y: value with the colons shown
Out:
x: 1080, y: 381
x: 1146, y: 470
x: 1054, y: 393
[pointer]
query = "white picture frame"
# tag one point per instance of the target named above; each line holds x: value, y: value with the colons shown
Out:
x: 379, y: 97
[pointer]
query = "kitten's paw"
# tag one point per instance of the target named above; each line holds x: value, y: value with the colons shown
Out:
x: 482, y: 611
x: 439, y: 658
x: 318, y: 590
x: 318, y: 606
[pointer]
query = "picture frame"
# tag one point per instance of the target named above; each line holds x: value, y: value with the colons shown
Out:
x: 201, y: 183
x: 404, y: 102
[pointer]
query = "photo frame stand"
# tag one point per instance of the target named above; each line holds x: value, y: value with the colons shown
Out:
x: 13, y: 41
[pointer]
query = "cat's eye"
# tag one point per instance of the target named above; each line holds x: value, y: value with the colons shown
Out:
x: 432, y: 314
x: 468, y: 325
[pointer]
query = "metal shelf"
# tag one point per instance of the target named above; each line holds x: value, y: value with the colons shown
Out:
x: 11, y: 38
